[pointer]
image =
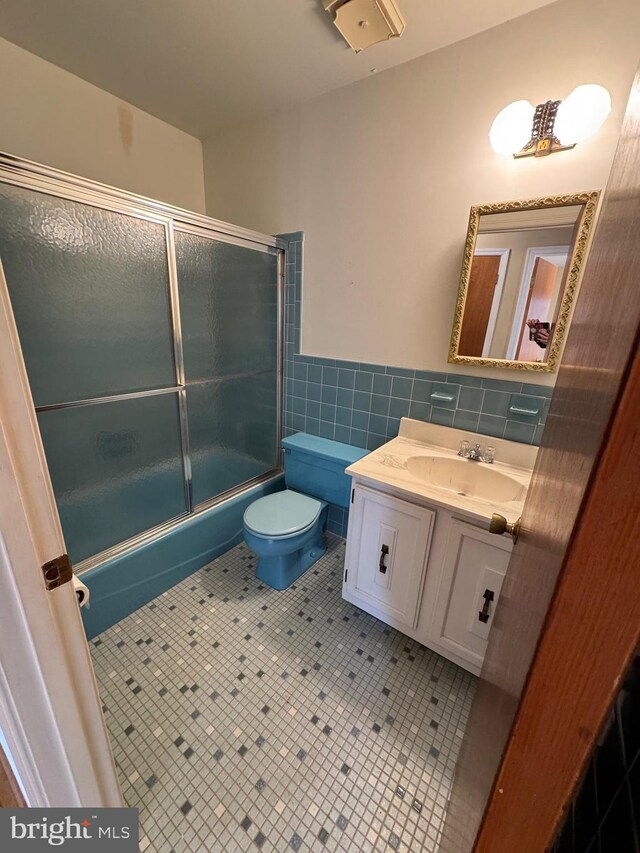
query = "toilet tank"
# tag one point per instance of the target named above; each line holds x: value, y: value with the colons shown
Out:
x: 315, y: 466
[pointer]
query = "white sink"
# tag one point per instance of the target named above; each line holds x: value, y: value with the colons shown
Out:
x: 466, y: 478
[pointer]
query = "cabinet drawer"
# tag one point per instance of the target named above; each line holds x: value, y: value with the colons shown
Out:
x: 387, y: 550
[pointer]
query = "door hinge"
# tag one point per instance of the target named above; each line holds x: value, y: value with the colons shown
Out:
x: 353, y: 491
x: 57, y: 572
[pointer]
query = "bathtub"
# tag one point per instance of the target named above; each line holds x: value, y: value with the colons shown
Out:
x: 127, y: 582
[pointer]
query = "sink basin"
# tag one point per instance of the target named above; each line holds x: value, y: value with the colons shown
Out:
x: 463, y: 477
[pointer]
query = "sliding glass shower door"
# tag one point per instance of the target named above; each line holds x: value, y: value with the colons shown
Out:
x: 152, y: 350
x: 229, y: 306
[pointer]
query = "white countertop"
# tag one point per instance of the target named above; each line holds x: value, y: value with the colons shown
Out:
x: 387, y: 467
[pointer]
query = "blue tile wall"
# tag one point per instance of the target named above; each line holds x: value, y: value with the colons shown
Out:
x: 361, y: 404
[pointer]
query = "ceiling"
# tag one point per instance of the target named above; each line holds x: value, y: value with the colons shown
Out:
x: 204, y: 64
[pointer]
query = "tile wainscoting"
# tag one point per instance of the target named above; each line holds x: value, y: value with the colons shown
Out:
x: 361, y: 404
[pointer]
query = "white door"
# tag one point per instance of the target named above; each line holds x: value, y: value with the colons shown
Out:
x: 51, y: 721
x: 387, y: 549
x: 474, y: 568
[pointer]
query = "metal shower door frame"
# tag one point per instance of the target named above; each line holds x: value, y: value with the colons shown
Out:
x: 44, y: 179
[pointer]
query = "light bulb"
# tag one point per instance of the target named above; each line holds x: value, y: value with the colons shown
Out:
x: 582, y: 113
x: 511, y: 128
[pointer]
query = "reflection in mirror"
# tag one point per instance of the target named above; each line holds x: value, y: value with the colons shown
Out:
x: 522, y: 263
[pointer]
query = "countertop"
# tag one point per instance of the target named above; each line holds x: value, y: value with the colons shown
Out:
x: 387, y: 467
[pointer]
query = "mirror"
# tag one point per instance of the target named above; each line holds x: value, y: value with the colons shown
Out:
x: 521, y: 268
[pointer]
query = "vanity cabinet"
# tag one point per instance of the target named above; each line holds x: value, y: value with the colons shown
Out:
x: 474, y: 565
x: 387, y: 553
x: 426, y: 571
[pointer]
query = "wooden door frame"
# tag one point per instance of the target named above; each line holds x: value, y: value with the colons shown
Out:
x: 591, y: 633
x: 568, y: 621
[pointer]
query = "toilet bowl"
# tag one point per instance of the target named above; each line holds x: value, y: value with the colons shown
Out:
x: 284, y: 529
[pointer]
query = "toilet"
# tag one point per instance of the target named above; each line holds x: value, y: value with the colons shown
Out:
x: 285, y: 529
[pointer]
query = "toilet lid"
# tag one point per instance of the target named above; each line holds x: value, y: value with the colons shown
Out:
x: 282, y: 514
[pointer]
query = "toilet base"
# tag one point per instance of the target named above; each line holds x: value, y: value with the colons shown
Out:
x: 280, y: 570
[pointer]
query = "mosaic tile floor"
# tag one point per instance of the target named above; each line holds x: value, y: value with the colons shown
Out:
x: 248, y: 719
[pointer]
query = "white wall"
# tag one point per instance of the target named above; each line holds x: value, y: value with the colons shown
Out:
x: 381, y: 175
x: 53, y: 117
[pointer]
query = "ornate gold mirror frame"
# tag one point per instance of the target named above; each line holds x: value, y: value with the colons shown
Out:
x: 584, y: 227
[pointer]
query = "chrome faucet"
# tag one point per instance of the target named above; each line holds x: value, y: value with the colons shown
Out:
x: 475, y: 454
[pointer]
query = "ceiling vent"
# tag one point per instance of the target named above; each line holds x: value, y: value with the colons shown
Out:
x: 366, y: 22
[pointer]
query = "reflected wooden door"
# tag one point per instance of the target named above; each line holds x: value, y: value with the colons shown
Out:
x: 11, y: 796
x: 482, y: 284
x: 538, y: 307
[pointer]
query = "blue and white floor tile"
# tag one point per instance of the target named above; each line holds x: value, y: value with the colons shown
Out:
x: 243, y: 718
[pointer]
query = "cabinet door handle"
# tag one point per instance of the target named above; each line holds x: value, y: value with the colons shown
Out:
x: 483, y: 615
x: 383, y: 553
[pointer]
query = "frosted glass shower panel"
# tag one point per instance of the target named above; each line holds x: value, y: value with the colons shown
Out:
x: 232, y: 430
x: 229, y: 311
x: 229, y: 307
x: 116, y: 469
x: 90, y: 294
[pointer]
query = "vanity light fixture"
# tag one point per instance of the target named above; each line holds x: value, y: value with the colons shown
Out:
x: 522, y: 130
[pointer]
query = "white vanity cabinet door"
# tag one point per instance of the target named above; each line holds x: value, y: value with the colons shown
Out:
x: 387, y: 550
x: 474, y: 568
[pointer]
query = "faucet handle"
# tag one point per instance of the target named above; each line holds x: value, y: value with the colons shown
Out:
x: 463, y: 449
x: 490, y: 453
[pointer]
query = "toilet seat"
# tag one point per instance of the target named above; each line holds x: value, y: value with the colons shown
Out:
x: 282, y: 514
